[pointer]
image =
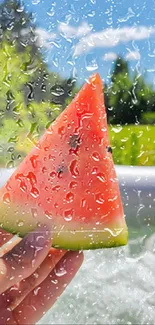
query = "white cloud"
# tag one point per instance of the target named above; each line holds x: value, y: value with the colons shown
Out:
x: 74, y: 32
x: 133, y: 56
x: 44, y: 38
x: 110, y: 56
x: 111, y: 37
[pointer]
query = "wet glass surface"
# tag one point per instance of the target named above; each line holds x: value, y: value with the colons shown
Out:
x: 48, y: 50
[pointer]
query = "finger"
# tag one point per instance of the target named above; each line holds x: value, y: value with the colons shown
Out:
x: 24, y: 258
x: 44, y: 296
x: 9, y: 245
x: 7, y: 317
x: 4, y: 237
x: 14, y: 295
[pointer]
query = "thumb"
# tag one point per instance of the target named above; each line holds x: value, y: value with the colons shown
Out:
x: 24, y: 258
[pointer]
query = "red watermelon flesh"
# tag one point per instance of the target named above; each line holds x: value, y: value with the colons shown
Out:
x: 68, y: 181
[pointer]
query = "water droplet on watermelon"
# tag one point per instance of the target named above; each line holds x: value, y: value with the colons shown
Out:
x: 99, y: 198
x: 6, y: 198
x: 51, y: 157
x: 34, y: 192
x: 56, y: 188
x: 34, y: 212
x: 8, y: 187
x: 33, y: 160
x: 23, y: 186
x: 60, y: 272
x: 73, y: 168
x: 69, y: 197
x: 101, y: 177
x: 52, y: 174
x: 73, y: 184
x: 32, y: 178
x: 61, y: 130
x: 20, y: 223
x: 49, y: 200
x: 68, y: 214
x: 83, y: 203
x: 94, y: 171
x: 44, y: 170
x: 96, y: 156
x: 56, y: 205
x: 48, y: 215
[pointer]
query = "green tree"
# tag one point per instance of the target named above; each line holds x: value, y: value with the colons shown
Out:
x: 127, y: 98
x: 21, y: 123
x: 17, y: 24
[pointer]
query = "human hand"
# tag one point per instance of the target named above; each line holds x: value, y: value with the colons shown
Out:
x: 32, y: 276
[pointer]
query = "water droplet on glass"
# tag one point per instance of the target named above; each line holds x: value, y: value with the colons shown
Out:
x: 129, y: 14
x: 93, y: 2
x: 91, y: 13
x: 6, y: 198
x: 56, y: 64
x: 60, y: 272
x: 96, y: 156
x: 34, y: 192
x: 36, y: 290
x: 101, y: 177
x: 68, y: 214
x: 117, y: 129
x: 54, y: 281
x: 35, y: 2
x: 57, y: 91
x: 51, y: 12
x: 10, y: 164
x: 69, y: 197
x: 91, y: 63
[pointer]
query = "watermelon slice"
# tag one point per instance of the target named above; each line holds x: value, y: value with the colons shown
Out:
x: 68, y: 181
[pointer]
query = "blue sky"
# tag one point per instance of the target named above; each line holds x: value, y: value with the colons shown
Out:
x: 79, y: 37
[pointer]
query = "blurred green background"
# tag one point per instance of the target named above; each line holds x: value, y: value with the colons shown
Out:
x: 32, y: 96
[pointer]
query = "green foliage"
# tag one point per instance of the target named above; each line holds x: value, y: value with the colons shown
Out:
x: 148, y: 118
x: 133, y: 144
x: 13, y: 16
x: 22, y: 134
x: 127, y: 98
x: 21, y: 122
